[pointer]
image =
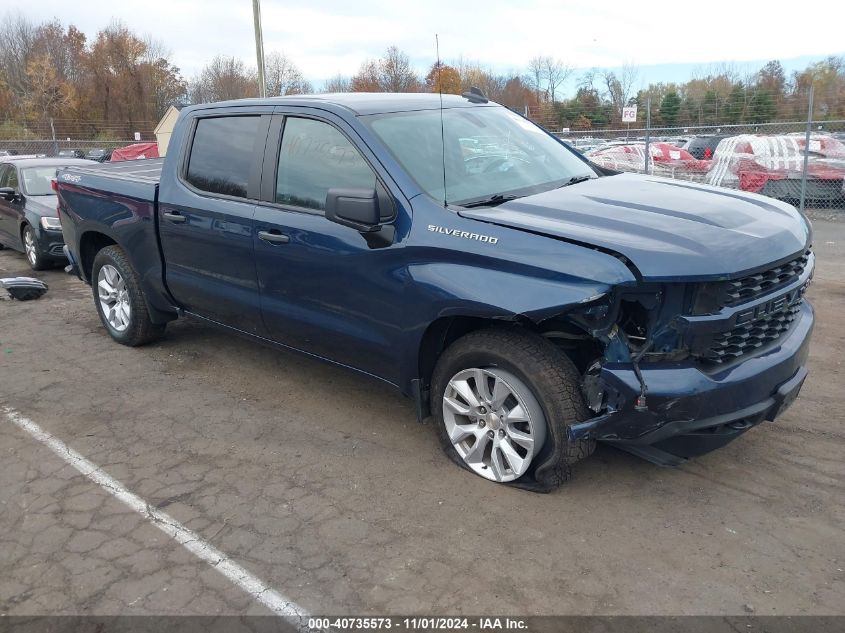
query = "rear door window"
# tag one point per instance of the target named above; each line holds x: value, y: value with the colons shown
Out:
x: 222, y: 154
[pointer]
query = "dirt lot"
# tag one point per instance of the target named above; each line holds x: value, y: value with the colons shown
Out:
x: 321, y: 483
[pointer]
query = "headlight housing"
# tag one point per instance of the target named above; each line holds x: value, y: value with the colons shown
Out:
x: 51, y: 224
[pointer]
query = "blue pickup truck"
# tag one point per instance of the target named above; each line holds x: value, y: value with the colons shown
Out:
x: 530, y: 301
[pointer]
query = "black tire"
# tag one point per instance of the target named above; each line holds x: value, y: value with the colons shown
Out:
x: 140, y: 330
x: 39, y: 261
x: 553, y: 380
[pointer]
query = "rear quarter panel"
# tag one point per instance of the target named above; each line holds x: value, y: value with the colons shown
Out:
x: 123, y: 211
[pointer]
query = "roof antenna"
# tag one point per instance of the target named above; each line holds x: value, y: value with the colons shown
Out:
x: 442, y: 135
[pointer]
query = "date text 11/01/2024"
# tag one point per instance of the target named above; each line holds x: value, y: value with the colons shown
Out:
x: 418, y: 624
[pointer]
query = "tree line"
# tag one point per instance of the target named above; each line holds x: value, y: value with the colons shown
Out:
x: 51, y: 73
x: 721, y: 94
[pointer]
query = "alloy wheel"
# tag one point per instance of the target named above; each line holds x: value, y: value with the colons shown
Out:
x: 494, y: 422
x: 29, y: 246
x: 114, y: 298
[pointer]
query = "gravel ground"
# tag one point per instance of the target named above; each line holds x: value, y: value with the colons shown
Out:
x: 321, y: 483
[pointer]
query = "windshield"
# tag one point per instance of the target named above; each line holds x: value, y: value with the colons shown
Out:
x: 490, y: 151
x: 36, y: 180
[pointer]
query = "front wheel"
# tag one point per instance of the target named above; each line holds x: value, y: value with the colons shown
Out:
x: 120, y: 300
x: 503, y: 401
x: 34, y: 256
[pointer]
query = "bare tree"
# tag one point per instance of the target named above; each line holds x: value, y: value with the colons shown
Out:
x: 396, y: 73
x: 391, y: 73
x: 367, y: 78
x: 555, y: 72
x: 17, y: 38
x: 619, y: 87
x: 283, y: 77
x: 223, y: 78
x: 166, y: 83
x: 338, y: 83
x: 535, y: 75
x: 474, y: 75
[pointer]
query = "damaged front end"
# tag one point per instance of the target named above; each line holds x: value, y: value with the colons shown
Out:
x: 671, y: 372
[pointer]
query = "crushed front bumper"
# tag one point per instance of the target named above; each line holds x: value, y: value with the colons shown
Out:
x: 691, y: 409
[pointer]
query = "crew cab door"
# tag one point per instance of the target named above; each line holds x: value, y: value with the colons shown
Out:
x: 206, y: 217
x: 327, y: 289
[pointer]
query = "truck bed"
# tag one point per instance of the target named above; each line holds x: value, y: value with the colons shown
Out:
x: 147, y: 170
x: 132, y: 179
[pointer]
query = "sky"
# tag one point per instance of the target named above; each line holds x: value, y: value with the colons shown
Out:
x: 667, y: 40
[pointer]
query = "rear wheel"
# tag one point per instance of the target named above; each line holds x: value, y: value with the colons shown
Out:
x: 504, y: 401
x: 120, y: 300
x: 36, y: 259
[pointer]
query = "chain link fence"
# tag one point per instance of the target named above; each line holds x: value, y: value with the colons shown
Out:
x: 95, y: 150
x: 54, y: 137
x: 799, y: 162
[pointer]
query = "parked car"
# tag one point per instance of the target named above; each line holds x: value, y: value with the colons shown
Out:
x: 12, y: 157
x: 8, y: 152
x: 821, y: 145
x: 664, y: 160
x: 774, y: 165
x: 99, y: 155
x: 703, y: 147
x: 28, y: 219
x: 532, y: 307
x: 679, y: 141
x: 71, y: 153
x: 586, y: 143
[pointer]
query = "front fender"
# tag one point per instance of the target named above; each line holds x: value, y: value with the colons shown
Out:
x: 444, y: 291
x: 459, y: 267
x: 469, y: 291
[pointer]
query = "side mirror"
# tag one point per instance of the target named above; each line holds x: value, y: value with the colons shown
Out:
x: 356, y: 208
x: 7, y: 193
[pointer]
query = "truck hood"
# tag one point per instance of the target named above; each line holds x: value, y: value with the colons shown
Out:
x: 668, y: 229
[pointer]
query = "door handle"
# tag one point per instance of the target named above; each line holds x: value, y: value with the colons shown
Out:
x: 273, y: 238
x: 175, y: 216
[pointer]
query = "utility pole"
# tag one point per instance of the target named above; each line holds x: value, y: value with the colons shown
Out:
x: 647, y: 131
x: 259, y: 47
x: 55, y: 144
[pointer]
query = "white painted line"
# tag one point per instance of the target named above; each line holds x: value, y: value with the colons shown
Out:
x: 190, y: 540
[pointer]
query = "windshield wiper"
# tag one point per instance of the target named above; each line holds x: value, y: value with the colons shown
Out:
x: 492, y: 201
x: 576, y: 179
x: 499, y: 198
